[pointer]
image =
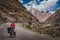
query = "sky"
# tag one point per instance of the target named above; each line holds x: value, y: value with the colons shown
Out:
x: 42, y: 5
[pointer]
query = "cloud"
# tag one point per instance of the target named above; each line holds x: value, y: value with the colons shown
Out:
x: 28, y: 7
x: 21, y: 1
x: 44, y: 5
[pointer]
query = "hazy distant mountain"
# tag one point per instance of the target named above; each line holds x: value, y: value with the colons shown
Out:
x: 40, y: 15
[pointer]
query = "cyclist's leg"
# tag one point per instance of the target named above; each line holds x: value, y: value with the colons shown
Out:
x: 14, y: 32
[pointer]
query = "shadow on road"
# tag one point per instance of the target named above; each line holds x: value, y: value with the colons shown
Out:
x: 4, y: 37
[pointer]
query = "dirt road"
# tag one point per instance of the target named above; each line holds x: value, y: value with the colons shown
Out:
x: 22, y: 34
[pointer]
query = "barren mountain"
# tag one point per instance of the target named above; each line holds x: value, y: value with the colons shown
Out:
x: 13, y: 10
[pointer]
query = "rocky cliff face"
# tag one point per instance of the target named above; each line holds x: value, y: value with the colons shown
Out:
x: 53, y: 24
x: 13, y: 10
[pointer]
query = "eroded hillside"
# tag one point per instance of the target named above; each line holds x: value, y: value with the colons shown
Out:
x: 13, y: 10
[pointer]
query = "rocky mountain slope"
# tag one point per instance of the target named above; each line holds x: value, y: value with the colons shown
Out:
x: 13, y: 10
x: 52, y: 24
x: 54, y: 18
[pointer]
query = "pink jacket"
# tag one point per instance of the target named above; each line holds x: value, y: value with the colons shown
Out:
x: 13, y: 25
